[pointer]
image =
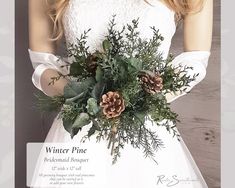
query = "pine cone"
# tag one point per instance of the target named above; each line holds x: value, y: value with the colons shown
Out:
x: 151, y: 82
x: 113, y: 104
x: 91, y: 63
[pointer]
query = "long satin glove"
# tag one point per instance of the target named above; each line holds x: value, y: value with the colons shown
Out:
x: 42, y: 61
x: 196, y: 59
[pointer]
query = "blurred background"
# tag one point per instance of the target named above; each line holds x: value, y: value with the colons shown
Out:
x: 198, y: 111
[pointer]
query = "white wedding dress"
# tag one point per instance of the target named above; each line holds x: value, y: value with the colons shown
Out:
x: 132, y: 169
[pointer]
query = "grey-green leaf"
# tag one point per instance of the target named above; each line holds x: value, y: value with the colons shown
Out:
x: 67, y: 125
x: 98, y: 90
x: 98, y: 74
x: 140, y: 116
x: 106, y: 45
x: 76, y: 67
x: 136, y: 63
x: 94, y: 128
x: 92, y: 106
x: 71, y: 89
x: 74, y: 88
x: 74, y: 99
x: 80, y: 121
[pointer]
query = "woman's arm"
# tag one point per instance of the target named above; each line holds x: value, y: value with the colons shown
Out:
x: 197, y: 44
x: 40, y: 31
x: 198, y: 28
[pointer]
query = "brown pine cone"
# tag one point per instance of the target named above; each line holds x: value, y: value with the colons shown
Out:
x: 113, y: 104
x: 91, y: 63
x: 151, y: 82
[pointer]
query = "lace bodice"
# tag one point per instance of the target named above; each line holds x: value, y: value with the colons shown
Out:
x: 82, y: 15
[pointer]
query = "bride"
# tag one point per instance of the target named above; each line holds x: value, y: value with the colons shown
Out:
x: 49, y: 21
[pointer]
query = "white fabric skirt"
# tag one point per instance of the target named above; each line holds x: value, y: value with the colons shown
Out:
x: 175, y: 166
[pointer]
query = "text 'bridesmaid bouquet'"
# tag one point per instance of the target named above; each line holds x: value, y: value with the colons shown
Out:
x: 119, y: 88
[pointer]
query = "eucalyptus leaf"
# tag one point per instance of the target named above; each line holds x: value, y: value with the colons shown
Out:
x: 88, y: 82
x: 137, y: 64
x: 94, y: 128
x: 140, y: 116
x: 67, y: 123
x: 122, y: 72
x: 98, y: 90
x: 72, y: 89
x: 76, y: 98
x: 106, y: 45
x: 76, y: 69
x: 92, y: 107
x: 81, y: 120
x: 99, y: 74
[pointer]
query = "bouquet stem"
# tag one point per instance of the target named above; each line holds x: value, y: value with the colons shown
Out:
x: 112, y: 136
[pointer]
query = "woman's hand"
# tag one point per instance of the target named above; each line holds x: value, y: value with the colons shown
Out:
x: 57, y: 88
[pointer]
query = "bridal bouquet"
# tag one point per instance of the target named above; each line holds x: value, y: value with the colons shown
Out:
x: 117, y: 89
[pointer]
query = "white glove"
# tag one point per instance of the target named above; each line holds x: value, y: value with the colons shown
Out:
x: 196, y: 59
x: 42, y: 61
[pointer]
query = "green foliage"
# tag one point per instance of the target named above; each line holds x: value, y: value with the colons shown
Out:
x: 99, y: 74
x: 73, y: 88
x: 131, y: 91
x: 69, y: 111
x: 80, y: 121
x: 95, y: 127
x: 77, y: 68
x: 74, y: 125
x: 79, y: 53
x: 175, y: 78
x: 98, y: 90
x: 92, y: 106
x: 49, y: 104
x: 124, y: 55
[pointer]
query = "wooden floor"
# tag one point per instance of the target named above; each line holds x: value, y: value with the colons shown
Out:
x: 199, y: 111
